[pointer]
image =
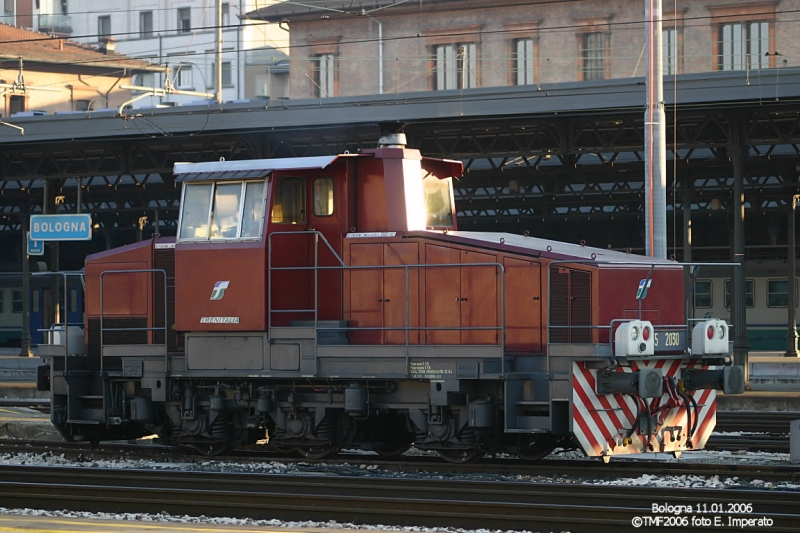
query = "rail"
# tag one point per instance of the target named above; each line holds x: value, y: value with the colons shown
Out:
x: 407, y: 328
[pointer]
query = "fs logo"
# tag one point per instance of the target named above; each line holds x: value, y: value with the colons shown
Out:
x: 219, y: 290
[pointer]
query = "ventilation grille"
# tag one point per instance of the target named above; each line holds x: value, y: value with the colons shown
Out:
x: 570, y: 305
x: 165, y: 259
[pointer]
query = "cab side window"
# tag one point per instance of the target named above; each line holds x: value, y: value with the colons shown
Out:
x: 323, y: 197
x: 290, y: 201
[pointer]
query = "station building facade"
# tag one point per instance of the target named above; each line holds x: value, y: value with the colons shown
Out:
x: 342, y: 49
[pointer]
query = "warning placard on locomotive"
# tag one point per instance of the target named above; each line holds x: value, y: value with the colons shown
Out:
x: 428, y: 370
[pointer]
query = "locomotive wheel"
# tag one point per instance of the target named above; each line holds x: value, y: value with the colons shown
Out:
x: 537, y: 448
x: 318, y: 452
x: 390, y: 452
x: 460, y: 456
x: 211, y: 449
x: 280, y: 450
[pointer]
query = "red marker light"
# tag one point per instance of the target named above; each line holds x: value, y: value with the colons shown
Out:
x: 710, y: 332
x: 646, y: 333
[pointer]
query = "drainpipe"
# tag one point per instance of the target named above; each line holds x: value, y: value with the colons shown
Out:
x: 239, y: 67
x: 380, y: 50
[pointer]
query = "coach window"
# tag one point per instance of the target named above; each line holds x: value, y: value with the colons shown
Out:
x: 323, y: 197
x: 35, y: 299
x: 196, y: 205
x: 749, y: 293
x: 73, y: 300
x: 702, y: 293
x: 16, y: 301
x: 778, y: 293
x: 290, y: 201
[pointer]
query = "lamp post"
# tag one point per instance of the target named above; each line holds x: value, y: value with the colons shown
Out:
x: 791, y: 286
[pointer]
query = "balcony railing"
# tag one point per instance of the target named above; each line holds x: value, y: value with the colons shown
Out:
x: 50, y: 23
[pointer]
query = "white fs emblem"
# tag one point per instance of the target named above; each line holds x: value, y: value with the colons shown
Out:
x: 219, y: 290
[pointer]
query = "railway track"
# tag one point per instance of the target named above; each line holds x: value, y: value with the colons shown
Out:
x: 351, y: 463
x: 755, y: 421
x: 404, y: 502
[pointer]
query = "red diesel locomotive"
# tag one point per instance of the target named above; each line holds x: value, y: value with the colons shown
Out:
x: 316, y: 303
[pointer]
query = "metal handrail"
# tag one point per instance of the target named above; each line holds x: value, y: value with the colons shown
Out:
x: 407, y: 328
x: 65, y: 275
x: 155, y: 328
x: 642, y: 264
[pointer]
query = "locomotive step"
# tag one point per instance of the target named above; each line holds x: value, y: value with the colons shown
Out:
x: 328, y: 332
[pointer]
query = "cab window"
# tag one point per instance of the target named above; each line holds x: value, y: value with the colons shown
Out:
x: 196, y: 204
x: 290, y: 201
x: 225, y: 214
x: 253, y: 213
x: 222, y: 211
x: 323, y: 197
x: 438, y: 202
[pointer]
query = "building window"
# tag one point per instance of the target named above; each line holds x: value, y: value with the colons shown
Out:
x: 325, y: 75
x: 82, y: 105
x: 226, y: 15
x: 183, y: 78
x: 185, y: 20
x: 227, y: 75
x: 749, y: 293
x: 145, y: 79
x: 703, y: 297
x: 145, y: 24
x: 16, y: 104
x: 262, y: 85
x: 669, y: 57
x: 456, y: 66
x: 744, y: 46
x: 594, y: 56
x: 104, y: 26
x: 524, y: 61
x: 16, y: 301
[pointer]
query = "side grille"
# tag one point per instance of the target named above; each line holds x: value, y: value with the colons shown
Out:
x: 559, y: 306
x: 570, y: 305
x: 165, y: 259
x: 127, y: 335
x: 580, y: 312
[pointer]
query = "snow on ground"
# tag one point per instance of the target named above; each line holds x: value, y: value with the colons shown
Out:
x: 186, y: 519
x: 362, y: 469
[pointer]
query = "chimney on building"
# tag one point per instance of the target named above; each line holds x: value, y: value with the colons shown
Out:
x: 108, y: 45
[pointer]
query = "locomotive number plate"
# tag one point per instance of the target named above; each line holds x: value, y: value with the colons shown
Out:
x: 670, y: 341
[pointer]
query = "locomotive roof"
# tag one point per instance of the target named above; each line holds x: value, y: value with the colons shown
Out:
x: 551, y: 249
x: 250, y: 168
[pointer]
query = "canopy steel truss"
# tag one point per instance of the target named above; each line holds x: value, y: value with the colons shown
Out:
x: 567, y: 164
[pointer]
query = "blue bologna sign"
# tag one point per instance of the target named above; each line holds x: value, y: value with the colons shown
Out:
x: 77, y: 227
